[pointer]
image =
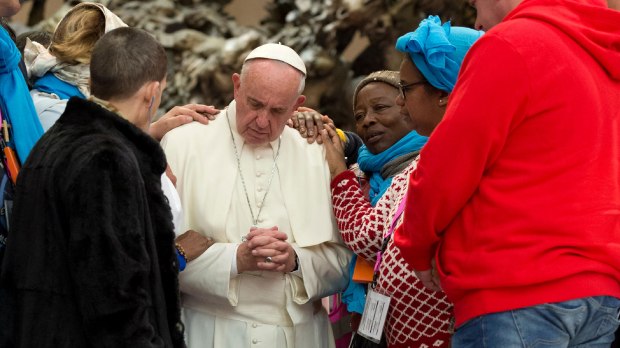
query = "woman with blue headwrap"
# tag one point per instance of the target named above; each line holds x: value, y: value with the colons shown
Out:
x: 416, y: 316
x: 434, y: 53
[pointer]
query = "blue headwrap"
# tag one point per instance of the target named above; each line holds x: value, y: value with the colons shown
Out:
x: 438, y: 50
x: 15, y: 101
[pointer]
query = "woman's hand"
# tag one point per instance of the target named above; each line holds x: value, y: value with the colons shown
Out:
x: 334, y: 151
x: 309, y: 123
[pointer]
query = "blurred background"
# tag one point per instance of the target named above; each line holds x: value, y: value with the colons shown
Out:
x: 340, y: 41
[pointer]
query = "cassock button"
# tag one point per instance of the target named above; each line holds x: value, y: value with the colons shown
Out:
x: 258, y: 174
x: 259, y: 189
x: 254, y: 341
x: 254, y: 325
x: 258, y: 157
x: 259, y: 204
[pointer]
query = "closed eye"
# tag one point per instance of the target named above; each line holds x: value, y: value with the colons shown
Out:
x: 380, y: 107
x: 255, y: 104
x: 278, y: 111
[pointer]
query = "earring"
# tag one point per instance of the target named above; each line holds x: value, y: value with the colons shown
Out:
x: 440, y: 101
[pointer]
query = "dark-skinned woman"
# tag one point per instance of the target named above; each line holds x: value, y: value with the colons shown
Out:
x: 416, y: 316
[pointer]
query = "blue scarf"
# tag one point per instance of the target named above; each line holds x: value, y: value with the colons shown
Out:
x: 354, y: 296
x: 49, y: 83
x: 15, y: 100
x: 373, y: 164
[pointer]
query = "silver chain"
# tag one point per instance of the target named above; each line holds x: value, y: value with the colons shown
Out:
x: 245, y: 190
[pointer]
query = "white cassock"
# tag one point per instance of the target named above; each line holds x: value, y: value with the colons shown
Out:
x: 174, y: 201
x: 255, y: 309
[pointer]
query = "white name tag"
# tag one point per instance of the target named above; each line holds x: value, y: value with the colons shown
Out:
x: 373, y: 318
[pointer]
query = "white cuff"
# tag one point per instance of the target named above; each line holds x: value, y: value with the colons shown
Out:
x: 233, y: 268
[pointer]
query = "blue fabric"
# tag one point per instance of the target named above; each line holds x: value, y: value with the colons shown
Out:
x: 354, y: 296
x: 585, y: 322
x: 15, y: 101
x: 181, y: 260
x: 438, y: 50
x: 373, y: 164
x: 49, y: 83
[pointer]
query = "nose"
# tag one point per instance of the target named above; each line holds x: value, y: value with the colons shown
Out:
x: 369, y: 119
x: 478, y: 25
x: 262, y: 120
x: 400, y: 101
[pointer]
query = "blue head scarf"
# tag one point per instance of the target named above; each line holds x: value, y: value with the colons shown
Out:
x: 438, y: 50
x: 15, y: 101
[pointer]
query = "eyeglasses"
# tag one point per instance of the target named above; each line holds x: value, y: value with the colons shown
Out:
x: 404, y: 88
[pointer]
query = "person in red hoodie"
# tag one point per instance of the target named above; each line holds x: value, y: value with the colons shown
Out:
x: 517, y: 193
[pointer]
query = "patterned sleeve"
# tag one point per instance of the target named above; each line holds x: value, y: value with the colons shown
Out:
x: 361, y: 225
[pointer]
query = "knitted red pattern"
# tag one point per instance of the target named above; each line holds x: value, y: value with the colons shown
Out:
x: 418, y: 317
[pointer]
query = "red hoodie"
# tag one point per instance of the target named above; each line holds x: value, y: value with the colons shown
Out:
x: 517, y: 192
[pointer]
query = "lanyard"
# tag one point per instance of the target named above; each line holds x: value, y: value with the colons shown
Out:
x: 386, y: 238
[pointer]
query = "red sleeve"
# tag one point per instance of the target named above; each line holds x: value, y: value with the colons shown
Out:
x: 487, y: 102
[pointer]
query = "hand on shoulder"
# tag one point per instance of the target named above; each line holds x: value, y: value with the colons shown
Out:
x: 180, y: 115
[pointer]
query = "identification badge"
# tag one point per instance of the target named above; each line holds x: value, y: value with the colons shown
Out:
x: 373, y: 318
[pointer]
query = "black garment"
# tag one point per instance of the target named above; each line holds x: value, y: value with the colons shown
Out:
x: 90, y: 257
x: 616, y: 342
x: 352, y: 146
x: 358, y: 341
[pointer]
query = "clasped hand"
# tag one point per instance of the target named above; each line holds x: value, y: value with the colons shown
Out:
x: 265, y: 249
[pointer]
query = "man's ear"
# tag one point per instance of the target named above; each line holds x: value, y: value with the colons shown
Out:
x: 300, y: 101
x: 236, y: 79
x: 152, y: 91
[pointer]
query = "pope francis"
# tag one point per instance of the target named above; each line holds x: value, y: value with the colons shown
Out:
x: 262, y: 193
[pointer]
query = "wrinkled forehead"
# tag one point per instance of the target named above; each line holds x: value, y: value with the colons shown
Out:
x: 271, y: 80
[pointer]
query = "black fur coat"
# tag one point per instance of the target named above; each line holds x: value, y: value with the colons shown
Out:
x: 90, y: 256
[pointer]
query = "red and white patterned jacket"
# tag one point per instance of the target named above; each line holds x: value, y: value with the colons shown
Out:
x: 418, y: 317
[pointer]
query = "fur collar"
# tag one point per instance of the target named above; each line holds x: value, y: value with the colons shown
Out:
x: 149, y: 150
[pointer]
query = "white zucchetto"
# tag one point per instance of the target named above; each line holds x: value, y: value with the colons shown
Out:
x: 279, y: 52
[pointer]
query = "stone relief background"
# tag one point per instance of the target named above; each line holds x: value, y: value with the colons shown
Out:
x: 340, y: 40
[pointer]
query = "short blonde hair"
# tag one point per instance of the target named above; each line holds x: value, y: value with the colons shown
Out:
x: 77, y: 33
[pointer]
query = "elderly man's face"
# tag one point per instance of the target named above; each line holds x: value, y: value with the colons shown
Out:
x: 266, y: 97
x: 9, y: 8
